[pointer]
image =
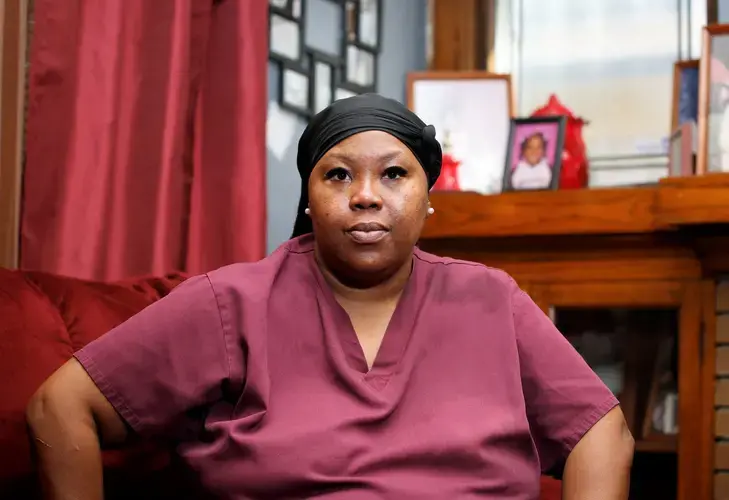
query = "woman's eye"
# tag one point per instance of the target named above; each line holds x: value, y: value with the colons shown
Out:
x: 393, y: 173
x: 337, y: 174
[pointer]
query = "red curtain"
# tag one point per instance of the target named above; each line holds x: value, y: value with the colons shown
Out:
x: 145, y: 145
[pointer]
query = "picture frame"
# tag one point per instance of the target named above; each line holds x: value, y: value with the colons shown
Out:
x: 681, y: 151
x: 685, y: 101
x: 712, y: 153
x: 286, y: 30
x: 295, y: 90
x: 334, y: 73
x: 323, y: 72
x: 362, y: 25
x: 534, y: 155
x: 293, y: 9
x: 369, y: 25
x: 471, y: 112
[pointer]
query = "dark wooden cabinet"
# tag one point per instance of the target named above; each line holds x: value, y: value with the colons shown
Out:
x: 643, y: 338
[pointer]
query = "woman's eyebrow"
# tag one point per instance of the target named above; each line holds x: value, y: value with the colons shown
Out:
x: 383, y: 157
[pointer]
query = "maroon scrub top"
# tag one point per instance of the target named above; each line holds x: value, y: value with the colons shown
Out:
x: 255, y: 370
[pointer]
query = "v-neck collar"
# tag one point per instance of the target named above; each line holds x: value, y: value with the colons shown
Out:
x: 397, y: 335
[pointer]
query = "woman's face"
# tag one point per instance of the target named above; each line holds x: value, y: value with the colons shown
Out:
x: 368, y: 198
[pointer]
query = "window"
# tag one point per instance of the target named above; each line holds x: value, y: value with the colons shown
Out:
x: 611, y: 62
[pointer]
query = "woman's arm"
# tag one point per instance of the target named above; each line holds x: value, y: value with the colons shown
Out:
x: 574, y: 418
x: 68, y: 416
x: 147, y: 374
x: 599, y: 465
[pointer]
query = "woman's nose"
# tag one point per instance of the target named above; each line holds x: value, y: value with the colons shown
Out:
x: 365, y: 195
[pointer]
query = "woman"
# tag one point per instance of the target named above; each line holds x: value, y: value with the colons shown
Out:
x: 348, y: 364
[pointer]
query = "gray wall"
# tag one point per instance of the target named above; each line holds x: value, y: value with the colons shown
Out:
x: 722, y: 13
x: 403, y: 50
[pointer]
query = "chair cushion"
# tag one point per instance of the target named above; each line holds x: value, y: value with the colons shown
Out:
x: 45, y: 319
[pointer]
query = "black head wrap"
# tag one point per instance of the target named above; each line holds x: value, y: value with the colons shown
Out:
x: 353, y: 115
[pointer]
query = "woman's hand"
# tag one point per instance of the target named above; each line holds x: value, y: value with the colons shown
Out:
x: 68, y: 416
x: 599, y: 466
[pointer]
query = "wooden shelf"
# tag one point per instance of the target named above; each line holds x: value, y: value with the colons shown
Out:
x: 693, y: 200
x: 581, y: 211
x: 666, y: 444
x: 664, y: 207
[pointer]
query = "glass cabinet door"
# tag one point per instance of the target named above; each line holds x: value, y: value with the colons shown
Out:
x: 642, y: 340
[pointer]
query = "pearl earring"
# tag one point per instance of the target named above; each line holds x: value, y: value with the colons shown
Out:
x: 307, y: 211
x: 431, y: 210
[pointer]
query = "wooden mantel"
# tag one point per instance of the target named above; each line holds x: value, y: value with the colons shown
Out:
x: 666, y: 207
x: 678, y: 229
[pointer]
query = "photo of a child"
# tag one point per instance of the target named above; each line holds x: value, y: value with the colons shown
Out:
x: 535, y: 149
x: 533, y: 170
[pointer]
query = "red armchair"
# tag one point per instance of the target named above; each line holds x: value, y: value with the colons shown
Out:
x: 44, y: 319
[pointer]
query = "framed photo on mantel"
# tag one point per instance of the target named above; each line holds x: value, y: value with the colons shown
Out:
x: 685, y: 106
x: 534, y: 157
x: 471, y: 112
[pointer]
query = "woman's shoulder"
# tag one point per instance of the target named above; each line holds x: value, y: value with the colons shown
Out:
x: 257, y: 278
x: 467, y: 275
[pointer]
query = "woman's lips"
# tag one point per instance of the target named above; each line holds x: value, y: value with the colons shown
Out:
x: 367, y: 233
x: 367, y: 237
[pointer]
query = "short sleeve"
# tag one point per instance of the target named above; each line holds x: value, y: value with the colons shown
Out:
x: 563, y: 395
x: 164, y: 365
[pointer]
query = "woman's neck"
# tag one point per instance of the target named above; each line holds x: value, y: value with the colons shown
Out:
x: 384, y: 289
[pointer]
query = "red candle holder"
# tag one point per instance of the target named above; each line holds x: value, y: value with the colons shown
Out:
x: 575, y: 167
x: 448, y: 179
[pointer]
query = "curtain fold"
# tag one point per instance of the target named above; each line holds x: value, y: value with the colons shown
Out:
x: 119, y: 177
x: 228, y: 204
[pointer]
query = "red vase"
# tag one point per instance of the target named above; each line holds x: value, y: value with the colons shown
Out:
x: 574, y: 172
x: 448, y: 180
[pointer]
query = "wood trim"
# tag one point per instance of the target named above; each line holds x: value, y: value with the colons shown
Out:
x: 579, y: 211
x: 686, y: 206
x: 712, y: 11
x: 690, y: 444
x: 490, y: 32
x: 708, y: 180
x: 713, y: 253
x: 717, y: 29
x: 572, y: 259
x: 691, y: 201
x: 481, y: 39
x: 708, y: 387
x: 459, y: 35
x: 415, y: 76
x: 666, y: 207
x: 613, y: 294
x: 702, y: 153
x: 12, y: 109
